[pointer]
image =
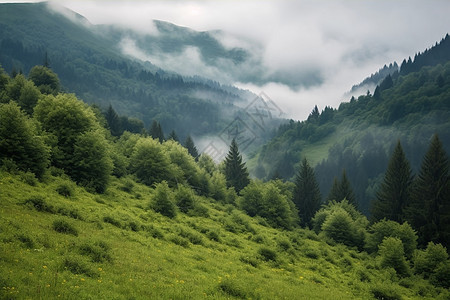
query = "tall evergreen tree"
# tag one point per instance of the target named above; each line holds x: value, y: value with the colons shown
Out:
x: 173, y: 136
x: 307, y: 196
x: 394, y: 192
x: 429, y: 210
x: 156, y: 131
x: 342, y: 190
x: 190, y: 146
x: 114, y: 122
x: 236, y: 172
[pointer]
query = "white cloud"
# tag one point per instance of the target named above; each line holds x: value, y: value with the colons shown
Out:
x: 323, y: 47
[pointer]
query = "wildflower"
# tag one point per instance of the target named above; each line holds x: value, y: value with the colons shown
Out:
x: 45, y: 267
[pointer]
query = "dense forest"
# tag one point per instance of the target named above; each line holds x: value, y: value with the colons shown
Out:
x: 410, y: 105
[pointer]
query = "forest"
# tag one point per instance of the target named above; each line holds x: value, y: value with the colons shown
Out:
x: 62, y: 164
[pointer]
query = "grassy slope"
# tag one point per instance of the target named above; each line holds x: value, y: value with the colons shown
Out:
x: 146, y: 255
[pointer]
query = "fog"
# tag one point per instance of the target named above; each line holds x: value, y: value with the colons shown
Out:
x: 304, y: 53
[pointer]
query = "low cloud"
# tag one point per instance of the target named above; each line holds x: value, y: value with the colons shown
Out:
x: 304, y: 52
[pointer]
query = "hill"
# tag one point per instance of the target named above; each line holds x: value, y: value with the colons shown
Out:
x: 91, y: 63
x: 410, y: 106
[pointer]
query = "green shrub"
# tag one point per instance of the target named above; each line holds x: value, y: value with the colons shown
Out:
x: 385, y: 292
x: 213, y: 235
x: 37, y: 202
x: 392, y: 256
x: 154, y: 232
x: 164, y: 201
x: 26, y: 240
x: 284, y: 244
x: 63, y: 226
x: 65, y: 189
x: 29, y: 178
x: 441, y: 276
x: 185, y: 199
x: 426, y: 261
x: 77, y: 266
x: 385, y: 228
x: 193, y: 237
x: 127, y: 186
x: 112, y: 221
x: 97, y: 252
x: 267, y: 254
x: 178, y: 240
x: 72, y: 213
x: 249, y: 260
x: 233, y: 289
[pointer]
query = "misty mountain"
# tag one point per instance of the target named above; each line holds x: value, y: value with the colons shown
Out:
x: 410, y: 105
x: 374, y: 79
x: 92, y: 63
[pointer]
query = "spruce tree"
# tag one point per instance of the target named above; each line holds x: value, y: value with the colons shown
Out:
x: 156, y: 131
x: 394, y: 192
x: 307, y: 196
x: 342, y: 190
x: 114, y: 122
x: 236, y: 172
x: 429, y: 210
x: 190, y: 146
x: 173, y: 136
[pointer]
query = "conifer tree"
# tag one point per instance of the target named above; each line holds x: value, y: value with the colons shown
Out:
x: 236, y: 172
x: 429, y: 210
x: 342, y: 190
x: 113, y: 121
x: 394, y: 192
x: 189, y: 144
x: 307, y: 196
x: 156, y: 131
x: 173, y: 136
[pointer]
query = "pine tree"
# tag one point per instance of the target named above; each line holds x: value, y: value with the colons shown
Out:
x: 307, y: 196
x: 235, y: 170
x: 342, y: 190
x: 173, y: 136
x: 394, y: 192
x: 114, y: 122
x: 156, y: 131
x: 189, y: 144
x: 429, y: 210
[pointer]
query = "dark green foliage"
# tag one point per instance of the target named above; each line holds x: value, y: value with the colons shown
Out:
x: 65, y: 189
x: 392, y: 256
x: 341, y: 223
x: 427, y: 262
x: 342, y: 190
x: 173, y: 136
x: 112, y: 221
x: 307, y: 196
x: 77, y: 266
x: 92, y: 165
x: 163, y: 200
x: 98, y: 251
x: 156, y: 131
x: 266, y: 200
x: 20, y: 142
x: 429, y: 210
x: 235, y: 170
x: 233, y: 289
x: 27, y: 241
x: 38, y: 202
x: 267, y: 254
x: 385, y: 292
x: 185, y: 199
x: 394, y: 192
x: 45, y: 79
x: 63, y: 226
x: 114, y: 122
x: 387, y: 228
x: 150, y: 163
x: 190, y: 146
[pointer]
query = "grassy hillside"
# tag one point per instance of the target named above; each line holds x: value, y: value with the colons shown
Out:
x: 59, y: 241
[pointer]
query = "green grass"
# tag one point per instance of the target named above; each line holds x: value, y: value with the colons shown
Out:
x: 123, y: 250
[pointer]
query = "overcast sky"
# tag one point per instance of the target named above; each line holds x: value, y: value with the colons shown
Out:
x: 337, y: 42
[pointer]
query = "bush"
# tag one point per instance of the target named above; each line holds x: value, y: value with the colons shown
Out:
x: 267, y: 254
x: 385, y: 292
x: 97, y: 252
x: 433, y: 263
x: 386, y: 228
x: 338, y: 227
x: 213, y: 235
x: 112, y: 221
x: 65, y: 190
x: 38, y: 203
x: 26, y: 240
x: 164, y: 201
x: 63, y: 226
x: 185, y: 199
x: 392, y: 256
x: 233, y: 289
x: 441, y: 276
x: 77, y: 266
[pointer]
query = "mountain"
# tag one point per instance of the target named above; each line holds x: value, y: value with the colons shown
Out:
x: 92, y: 63
x: 410, y: 105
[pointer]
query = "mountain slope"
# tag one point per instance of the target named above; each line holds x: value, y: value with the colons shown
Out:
x: 90, y: 63
x: 361, y: 134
